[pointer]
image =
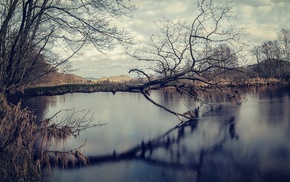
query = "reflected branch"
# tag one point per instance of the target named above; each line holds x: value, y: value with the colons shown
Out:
x: 172, y: 138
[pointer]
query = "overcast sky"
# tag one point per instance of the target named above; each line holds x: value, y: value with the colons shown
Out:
x: 263, y: 19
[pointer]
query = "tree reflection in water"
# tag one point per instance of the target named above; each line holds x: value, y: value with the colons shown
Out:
x: 246, y: 142
x: 169, y: 151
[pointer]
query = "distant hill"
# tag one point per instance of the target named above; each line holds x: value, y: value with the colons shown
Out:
x: 56, y: 78
x: 90, y: 78
x: 113, y: 79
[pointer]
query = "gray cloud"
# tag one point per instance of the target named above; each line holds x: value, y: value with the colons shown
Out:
x: 263, y: 18
x: 255, y: 3
x: 277, y: 1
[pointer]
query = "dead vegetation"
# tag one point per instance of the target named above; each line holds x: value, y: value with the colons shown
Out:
x: 22, y: 155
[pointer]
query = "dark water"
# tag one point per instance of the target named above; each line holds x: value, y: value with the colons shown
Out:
x: 245, y: 142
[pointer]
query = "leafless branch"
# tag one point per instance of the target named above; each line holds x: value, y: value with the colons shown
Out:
x: 189, y: 57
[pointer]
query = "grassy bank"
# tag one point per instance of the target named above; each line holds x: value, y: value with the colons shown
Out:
x: 124, y: 87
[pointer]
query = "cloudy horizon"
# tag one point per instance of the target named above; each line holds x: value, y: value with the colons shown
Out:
x: 263, y: 19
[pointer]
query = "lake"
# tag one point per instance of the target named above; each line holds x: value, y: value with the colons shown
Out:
x: 248, y: 141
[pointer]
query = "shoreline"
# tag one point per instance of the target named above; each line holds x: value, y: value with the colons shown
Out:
x: 127, y: 87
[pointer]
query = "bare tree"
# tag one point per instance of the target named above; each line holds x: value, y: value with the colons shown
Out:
x: 31, y: 30
x: 222, y: 58
x: 284, y: 43
x: 256, y: 52
x: 271, y: 50
x: 183, y: 55
x: 272, y: 56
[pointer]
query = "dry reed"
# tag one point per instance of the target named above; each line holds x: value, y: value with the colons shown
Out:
x: 21, y: 159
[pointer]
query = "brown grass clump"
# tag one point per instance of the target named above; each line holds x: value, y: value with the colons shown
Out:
x: 16, y: 143
x: 23, y: 160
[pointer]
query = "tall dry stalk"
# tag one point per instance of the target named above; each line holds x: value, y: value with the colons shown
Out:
x: 21, y: 158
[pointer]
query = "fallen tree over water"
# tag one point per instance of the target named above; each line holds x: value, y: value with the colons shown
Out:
x: 74, y: 88
x: 126, y: 87
x: 227, y: 88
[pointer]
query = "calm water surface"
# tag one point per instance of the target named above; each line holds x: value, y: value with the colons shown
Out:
x: 245, y: 142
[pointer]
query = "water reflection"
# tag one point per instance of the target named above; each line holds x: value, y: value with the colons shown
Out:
x: 40, y: 105
x: 247, y: 142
